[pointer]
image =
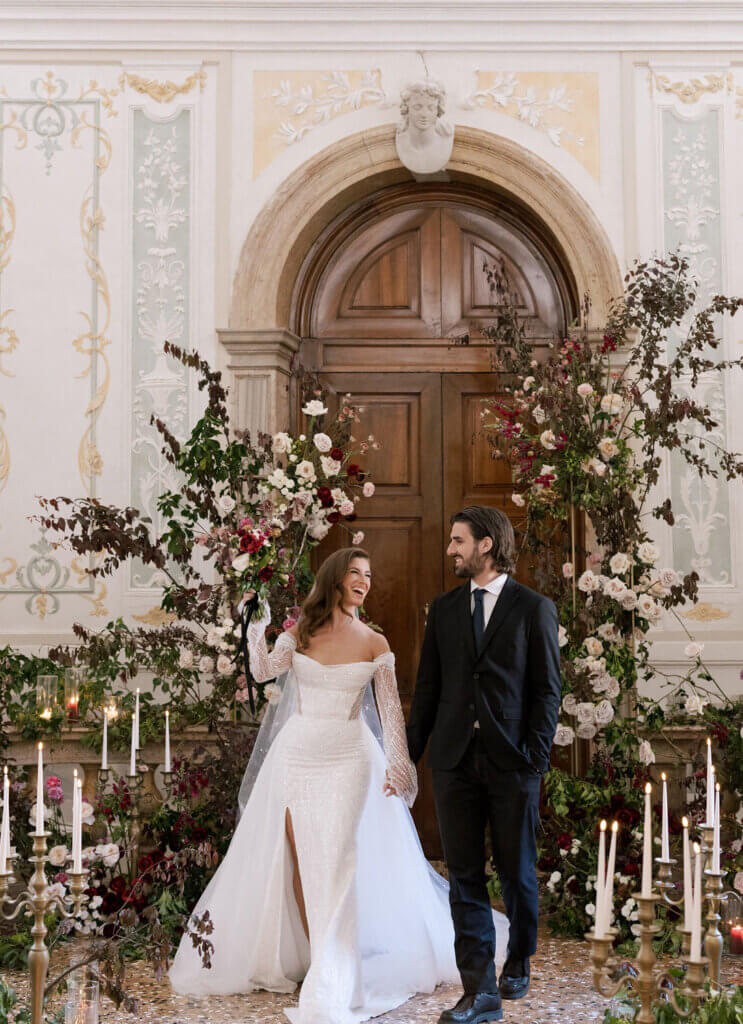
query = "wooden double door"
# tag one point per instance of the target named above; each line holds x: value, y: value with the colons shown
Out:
x: 390, y: 306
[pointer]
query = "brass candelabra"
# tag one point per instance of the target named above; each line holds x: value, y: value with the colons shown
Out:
x: 39, y: 901
x: 136, y: 790
x: 647, y: 983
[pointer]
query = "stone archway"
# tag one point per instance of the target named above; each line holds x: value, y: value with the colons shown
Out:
x: 259, y: 340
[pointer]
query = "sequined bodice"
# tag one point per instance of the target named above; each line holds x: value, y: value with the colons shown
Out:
x: 332, y: 691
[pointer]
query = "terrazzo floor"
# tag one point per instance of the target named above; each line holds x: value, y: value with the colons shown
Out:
x: 560, y: 991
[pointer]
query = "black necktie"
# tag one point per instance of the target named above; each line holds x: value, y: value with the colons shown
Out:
x: 478, y: 619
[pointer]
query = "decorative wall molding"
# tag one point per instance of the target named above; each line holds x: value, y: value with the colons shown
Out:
x: 703, y: 611
x: 562, y: 105
x: 162, y: 92
x: 691, y: 90
x: 287, y: 105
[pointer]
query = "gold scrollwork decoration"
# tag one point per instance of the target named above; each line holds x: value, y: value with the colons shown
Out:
x: 163, y: 92
x: 739, y: 103
x: 14, y: 125
x: 156, y: 616
x: 703, y: 611
x: 692, y: 90
x: 100, y: 590
x: 12, y: 565
x: 106, y: 96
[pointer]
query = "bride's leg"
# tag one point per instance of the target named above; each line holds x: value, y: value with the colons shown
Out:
x: 297, y: 882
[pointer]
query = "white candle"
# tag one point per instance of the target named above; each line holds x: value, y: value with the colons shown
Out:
x: 74, y: 818
x: 77, y: 838
x: 607, y: 900
x: 104, y: 748
x: 664, y: 844
x: 167, y: 741
x: 647, y: 846
x: 696, y: 922
x: 133, y: 755
x: 40, y: 792
x: 709, y: 816
x: 136, y: 721
x: 5, y: 828
x: 716, y: 832
x: 688, y: 897
x: 600, y: 882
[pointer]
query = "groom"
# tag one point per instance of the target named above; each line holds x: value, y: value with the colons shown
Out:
x: 487, y: 695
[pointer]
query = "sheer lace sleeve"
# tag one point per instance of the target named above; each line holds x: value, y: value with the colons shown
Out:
x: 401, y: 771
x: 263, y: 665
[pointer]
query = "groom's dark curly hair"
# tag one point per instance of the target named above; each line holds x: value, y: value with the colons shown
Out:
x: 484, y: 522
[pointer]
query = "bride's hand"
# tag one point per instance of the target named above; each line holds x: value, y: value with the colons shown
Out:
x: 388, y: 789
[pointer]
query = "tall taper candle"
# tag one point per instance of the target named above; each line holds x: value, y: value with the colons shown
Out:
x: 709, y: 816
x: 664, y: 844
x: 607, y: 900
x: 688, y: 897
x: 716, y: 832
x: 77, y: 838
x: 647, y: 846
x: 600, y: 882
x: 696, y: 921
x: 104, y: 748
x: 133, y: 755
x: 136, y: 721
x: 167, y: 741
x: 74, y: 816
x: 40, y: 792
x: 5, y: 828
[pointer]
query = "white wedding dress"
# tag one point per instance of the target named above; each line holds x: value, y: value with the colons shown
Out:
x: 378, y: 914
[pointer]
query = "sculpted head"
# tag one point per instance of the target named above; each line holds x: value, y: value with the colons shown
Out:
x: 422, y: 107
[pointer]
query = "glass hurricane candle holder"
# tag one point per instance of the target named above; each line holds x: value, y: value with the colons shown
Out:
x: 732, y: 922
x: 46, y: 695
x: 82, y: 1000
x: 111, y: 707
x: 73, y: 678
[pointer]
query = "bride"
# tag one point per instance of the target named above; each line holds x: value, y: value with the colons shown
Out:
x: 325, y: 881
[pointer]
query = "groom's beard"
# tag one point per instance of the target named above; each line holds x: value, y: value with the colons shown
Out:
x: 470, y: 567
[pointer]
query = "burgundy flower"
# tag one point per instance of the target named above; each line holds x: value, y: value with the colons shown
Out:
x: 352, y: 469
x: 326, y: 498
x: 334, y: 517
x: 337, y: 454
x: 266, y: 573
x: 564, y: 840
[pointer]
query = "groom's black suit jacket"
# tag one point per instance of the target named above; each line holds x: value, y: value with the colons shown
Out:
x: 511, y: 685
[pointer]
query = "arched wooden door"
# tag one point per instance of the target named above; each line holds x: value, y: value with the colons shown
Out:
x: 390, y: 307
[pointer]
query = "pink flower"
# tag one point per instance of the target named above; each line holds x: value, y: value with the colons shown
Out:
x: 368, y: 489
x: 567, y: 570
x: 288, y: 623
x: 358, y: 538
x: 203, y: 538
x: 54, y: 789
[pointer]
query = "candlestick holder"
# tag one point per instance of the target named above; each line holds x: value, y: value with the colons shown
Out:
x: 168, y: 783
x: 646, y: 983
x: 39, y: 901
x: 104, y: 774
x: 713, y: 895
x: 664, y: 881
x: 135, y: 783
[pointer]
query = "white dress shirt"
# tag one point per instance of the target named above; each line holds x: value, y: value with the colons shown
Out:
x: 491, y: 595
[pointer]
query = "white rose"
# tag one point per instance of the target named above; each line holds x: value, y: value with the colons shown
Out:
x: 562, y: 636
x: 224, y: 665
x: 368, y: 489
x: 528, y: 383
x: 185, y: 659
x: 314, y: 408
x: 212, y: 637
x: 590, y: 909
x: 109, y: 853
x: 567, y: 570
x: 322, y: 443
x: 594, y: 646
x: 647, y: 607
x: 669, y: 578
x: 46, y: 811
x: 226, y: 504
x: 585, y: 713
x: 615, y: 587
x: 600, y: 682
x: 597, y: 466
x: 648, y: 553
x: 607, y: 448
x: 539, y: 415
x: 570, y: 704
x: 645, y: 753
x: 278, y: 478
x: 693, y: 650
x: 358, y: 538
x: 612, y: 688
x: 86, y: 813
x: 241, y: 562
x: 612, y: 404
x: 57, y: 889
x: 330, y: 467
x: 555, y: 877
x: 306, y: 471
x: 586, y: 731
x: 585, y: 390
x: 281, y: 443
x: 588, y: 582
x: 547, y: 470
x: 608, y: 631
x: 58, y: 856
x: 346, y: 508
x: 564, y: 736
x: 318, y: 529
x: 547, y: 437
x: 272, y: 693
x: 628, y: 600
x: 694, y: 704
x: 518, y: 499
x: 604, y: 712
x: 619, y: 563
x: 206, y: 664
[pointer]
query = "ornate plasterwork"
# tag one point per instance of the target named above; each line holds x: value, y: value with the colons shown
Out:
x: 705, y: 612
x: 156, y: 616
x: 161, y: 257
x: 562, y: 105
x: 691, y: 90
x: 692, y: 225
x: 8, y: 337
x: 162, y: 92
x: 287, y: 105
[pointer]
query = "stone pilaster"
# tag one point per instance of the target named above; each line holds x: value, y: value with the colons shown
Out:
x: 259, y: 364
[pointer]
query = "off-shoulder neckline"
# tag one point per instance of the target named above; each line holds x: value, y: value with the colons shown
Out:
x: 344, y: 664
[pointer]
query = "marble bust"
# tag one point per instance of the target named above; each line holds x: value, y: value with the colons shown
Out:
x: 424, y: 138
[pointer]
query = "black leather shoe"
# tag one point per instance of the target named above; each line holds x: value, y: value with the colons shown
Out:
x: 474, y: 1009
x: 514, y: 979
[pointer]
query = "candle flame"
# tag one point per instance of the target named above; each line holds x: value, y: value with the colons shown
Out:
x: 648, y: 788
x: 615, y: 826
x: 685, y: 821
x: 713, y: 769
x: 663, y: 776
x: 717, y: 786
x: 709, y: 741
x: 602, y: 826
x: 697, y: 849
x: 41, y: 746
x: 79, y: 783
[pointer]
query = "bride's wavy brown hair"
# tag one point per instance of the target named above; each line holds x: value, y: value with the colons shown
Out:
x: 327, y: 593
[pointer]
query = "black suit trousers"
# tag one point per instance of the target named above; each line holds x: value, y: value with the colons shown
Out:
x: 467, y: 797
